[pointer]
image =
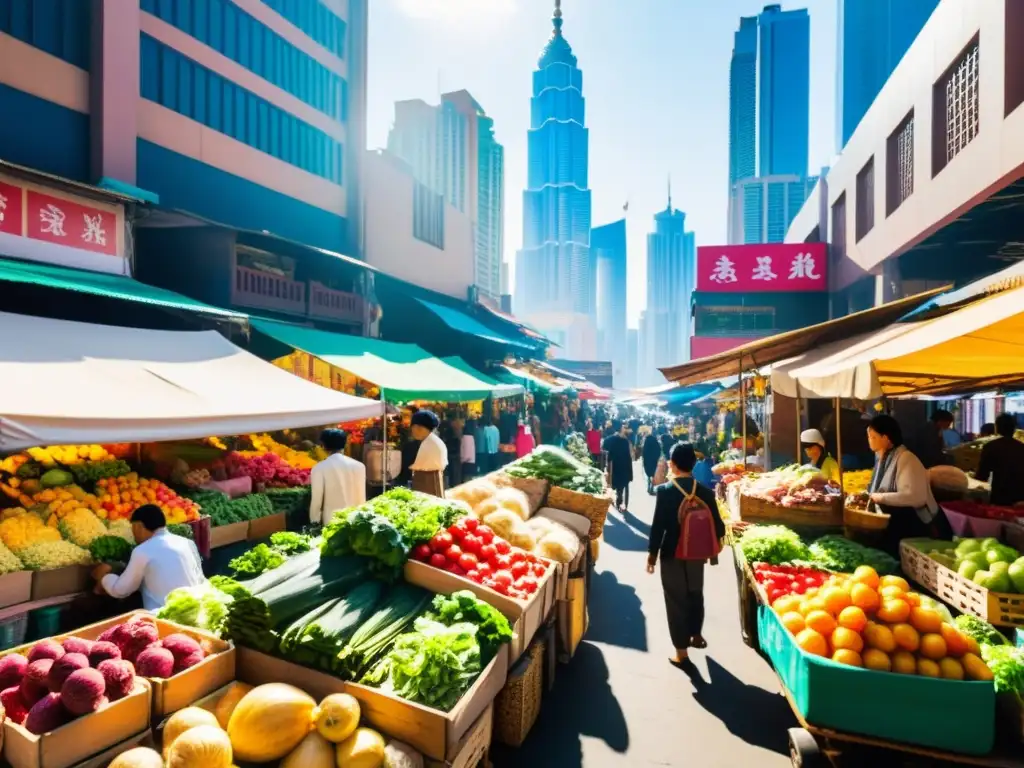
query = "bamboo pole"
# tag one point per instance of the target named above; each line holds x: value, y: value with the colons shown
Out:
x: 743, y: 414
x: 384, y: 447
x: 799, y: 445
x: 839, y: 440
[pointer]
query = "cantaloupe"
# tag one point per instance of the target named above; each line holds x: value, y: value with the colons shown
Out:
x: 205, y: 746
x: 270, y: 721
x: 314, y: 751
x: 227, y: 703
x: 363, y: 749
x: 185, y: 720
x: 140, y: 757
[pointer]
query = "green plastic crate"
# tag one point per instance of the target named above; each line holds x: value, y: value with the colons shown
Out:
x: 950, y: 715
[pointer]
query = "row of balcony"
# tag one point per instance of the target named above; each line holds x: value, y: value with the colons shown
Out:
x: 262, y: 290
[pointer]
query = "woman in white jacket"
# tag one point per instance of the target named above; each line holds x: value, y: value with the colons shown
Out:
x: 900, y: 487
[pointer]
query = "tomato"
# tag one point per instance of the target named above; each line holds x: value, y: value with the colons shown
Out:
x: 441, y: 541
x: 518, y: 555
x: 421, y: 552
x: 518, y: 594
x: 499, y: 586
x: 454, y: 568
x: 488, y: 552
x: 467, y: 561
x: 539, y: 569
x: 474, y: 575
x: 530, y: 584
x: 489, y: 583
x: 502, y: 546
x: 503, y: 577
x: 438, y: 560
x: 502, y: 563
x: 453, y: 553
x: 485, y: 533
x: 458, y: 530
x: 520, y: 569
x: 471, y: 543
x: 774, y: 595
x: 484, y: 568
x: 470, y: 522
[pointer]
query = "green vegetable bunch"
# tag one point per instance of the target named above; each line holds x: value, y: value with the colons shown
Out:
x: 559, y: 468
x: 257, y: 560
x: 773, y: 544
x: 492, y: 628
x: 982, y: 632
x: 223, y: 510
x: 836, y: 553
x: 204, y: 607
x: 1007, y: 665
x: 181, y: 529
x: 91, y: 471
x: 110, y: 549
x: 288, y: 543
x: 361, y: 532
x: 290, y: 500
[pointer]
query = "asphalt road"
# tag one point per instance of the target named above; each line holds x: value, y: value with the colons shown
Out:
x: 620, y: 703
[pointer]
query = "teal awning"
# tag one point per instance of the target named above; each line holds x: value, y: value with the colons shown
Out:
x: 501, y: 389
x: 464, y: 323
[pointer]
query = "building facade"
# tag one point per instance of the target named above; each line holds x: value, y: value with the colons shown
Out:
x: 743, y: 102
x: 608, y: 249
x: 434, y: 139
x: 555, y: 286
x: 871, y: 38
x: 784, y: 66
x: 762, y: 208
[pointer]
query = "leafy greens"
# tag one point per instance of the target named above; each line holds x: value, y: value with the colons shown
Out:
x: 435, y: 664
x: 493, y: 628
x: 257, y: 560
x: 559, y: 468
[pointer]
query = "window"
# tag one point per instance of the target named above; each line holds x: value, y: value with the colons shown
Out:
x: 955, y: 112
x: 899, y: 164
x: 1013, y: 88
x: 865, y: 199
x: 733, y: 321
x: 838, y: 247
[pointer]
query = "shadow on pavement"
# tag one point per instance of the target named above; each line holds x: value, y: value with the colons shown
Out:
x: 619, y: 535
x: 616, y: 612
x: 581, y: 704
x: 636, y: 523
x: 758, y: 717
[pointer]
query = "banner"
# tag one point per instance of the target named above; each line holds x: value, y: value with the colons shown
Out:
x: 705, y: 346
x: 773, y: 267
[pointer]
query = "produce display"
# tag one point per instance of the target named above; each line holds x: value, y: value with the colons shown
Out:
x: 69, y: 455
x: 778, y: 545
x: 120, y: 496
x: 984, y: 511
x: 781, y: 580
x: 986, y: 562
x: 792, y: 486
x: 266, y: 557
x: 772, y: 544
x: 266, y: 468
x: 223, y: 510
x: 857, y: 481
x: 266, y: 444
x: 576, y: 444
x: 110, y: 549
x: 289, y: 500
x: 836, y: 553
x: 559, y: 468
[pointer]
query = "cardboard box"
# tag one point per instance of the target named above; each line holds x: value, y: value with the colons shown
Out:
x: 102, y: 760
x: 526, y: 617
x: 60, y: 581
x: 572, y: 619
x: 15, y: 588
x: 81, y: 739
x: 474, y: 747
x: 262, y: 527
x: 222, y: 535
x: 180, y: 691
x: 437, y: 735
x: 581, y: 527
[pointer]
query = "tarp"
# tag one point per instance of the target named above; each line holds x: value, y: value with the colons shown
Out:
x: 979, y: 346
x: 404, y: 372
x: 464, y: 323
x: 66, y: 383
x: 1003, y: 280
x: 501, y: 389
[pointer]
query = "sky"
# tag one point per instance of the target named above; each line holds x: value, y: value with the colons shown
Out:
x: 656, y: 82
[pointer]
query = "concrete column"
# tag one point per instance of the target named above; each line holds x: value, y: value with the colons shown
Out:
x: 114, y: 89
x: 888, y: 285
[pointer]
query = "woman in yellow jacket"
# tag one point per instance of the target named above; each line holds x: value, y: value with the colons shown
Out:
x: 813, y: 445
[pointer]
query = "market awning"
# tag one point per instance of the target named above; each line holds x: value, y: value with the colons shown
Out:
x: 404, y: 372
x: 461, y: 322
x: 793, y: 343
x: 532, y: 382
x: 1003, y: 280
x: 501, y: 389
x: 106, y: 285
x: 66, y: 383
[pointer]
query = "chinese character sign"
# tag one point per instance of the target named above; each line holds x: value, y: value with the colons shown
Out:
x: 774, y: 267
x: 10, y: 209
x: 66, y: 222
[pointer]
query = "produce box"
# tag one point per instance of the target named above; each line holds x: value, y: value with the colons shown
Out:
x: 103, y: 759
x: 571, y: 617
x: 178, y: 692
x: 903, y: 708
x: 15, y: 588
x: 472, y: 751
x: 222, y: 535
x: 60, y: 581
x: 438, y: 735
x: 526, y: 617
x: 262, y: 527
x: 517, y: 705
x: 81, y: 739
x: 754, y: 510
x: 581, y: 526
x: 594, y: 508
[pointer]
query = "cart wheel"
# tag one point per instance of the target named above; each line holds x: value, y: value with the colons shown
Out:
x: 803, y: 749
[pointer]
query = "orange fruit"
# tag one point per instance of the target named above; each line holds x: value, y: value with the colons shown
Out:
x: 932, y: 646
x: 814, y: 604
x: 812, y: 592
x: 975, y: 668
x: 821, y: 622
x: 925, y: 620
x: 972, y: 645
x: 865, y: 597
x: 793, y: 621
x: 847, y: 639
x: 904, y: 663
x: 786, y: 603
x: 893, y: 611
x: 956, y: 641
x: 951, y: 669
x: 848, y: 657
x: 892, y: 593
x: 895, y: 581
x: 865, y: 574
x: 928, y: 668
x: 812, y: 642
x: 877, y: 660
x: 906, y: 637
x: 836, y: 599
x: 853, y: 618
x: 880, y: 637
x: 913, y: 598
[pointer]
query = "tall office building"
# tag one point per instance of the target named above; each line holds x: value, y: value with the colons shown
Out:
x: 872, y: 37
x: 608, y: 249
x: 555, y: 287
x: 743, y: 102
x: 763, y: 207
x: 434, y: 141
x: 784, y: 62
x: 486, y: 192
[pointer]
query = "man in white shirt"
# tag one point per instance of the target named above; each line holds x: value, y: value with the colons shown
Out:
x: 432, y: 456
x: 161, y: 562
x: 467, y: 452
x: 337, y: 482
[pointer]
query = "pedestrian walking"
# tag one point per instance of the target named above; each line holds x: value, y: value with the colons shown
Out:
x: 652, y: 457
x: 620, y: 464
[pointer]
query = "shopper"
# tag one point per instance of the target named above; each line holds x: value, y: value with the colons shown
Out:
x: 900, y: 488
x: 620, y: 464
x: 492, y: 443
x: 467, y: 451
x: 1003, y: 460
x: 812, y: 442
x: 652, y: 457
x: 432, y: 456
x: 337, y: 482
x: 525, y: 443
x: 930, y: 445
x: 594, y: 443
x: 682, y: 567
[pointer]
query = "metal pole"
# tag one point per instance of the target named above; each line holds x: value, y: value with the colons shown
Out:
x: 839, y: 441
x: 384, y: 447
x: 743, y: 415
x: 799, y: 446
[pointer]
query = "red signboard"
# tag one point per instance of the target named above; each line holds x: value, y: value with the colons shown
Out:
x: 61, y: 221
x: 774, y: 267
x: 10, y: 208
x: 705, y: 346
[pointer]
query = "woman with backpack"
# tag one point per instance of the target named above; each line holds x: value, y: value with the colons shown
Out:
x: 686, y: 533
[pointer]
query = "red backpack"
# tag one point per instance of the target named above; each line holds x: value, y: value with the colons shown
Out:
x: 698, y: 539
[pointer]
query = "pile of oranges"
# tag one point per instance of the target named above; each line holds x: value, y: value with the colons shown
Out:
x: 864, y: 620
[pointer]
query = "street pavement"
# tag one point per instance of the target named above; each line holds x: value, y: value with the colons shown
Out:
x: 620, y: 703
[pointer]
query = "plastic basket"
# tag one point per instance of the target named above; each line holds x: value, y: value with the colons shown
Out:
x: 44, y: 622
x: 13, y: 631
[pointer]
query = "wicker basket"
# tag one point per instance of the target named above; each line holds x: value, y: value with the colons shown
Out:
x: 594, y: 508
x: 865, y: 521
x: 754, y: 510
x: 919, y: 567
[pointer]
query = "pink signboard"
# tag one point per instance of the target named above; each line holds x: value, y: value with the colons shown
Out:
x: 774, y: 267
x: 65, y: 222
x: 10, y: 209
x: 705, y: 346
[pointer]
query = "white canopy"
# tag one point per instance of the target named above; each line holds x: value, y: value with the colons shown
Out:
x: 68, y: 383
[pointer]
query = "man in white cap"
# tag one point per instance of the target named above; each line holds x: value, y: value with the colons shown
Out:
x: 813, y: 444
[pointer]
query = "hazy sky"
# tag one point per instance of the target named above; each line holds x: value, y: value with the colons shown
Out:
x: 656, y: 82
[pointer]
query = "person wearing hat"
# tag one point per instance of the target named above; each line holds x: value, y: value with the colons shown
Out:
x: 431, y: 457
x: 813, y: 444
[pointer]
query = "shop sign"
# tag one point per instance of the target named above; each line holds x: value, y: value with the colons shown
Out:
x: 706, y: 346
x: 773, y: 267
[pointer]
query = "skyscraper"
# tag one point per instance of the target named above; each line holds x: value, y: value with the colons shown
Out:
x: 743, y: 101
x: 763, y: 207
x: 608, y: 249
x: 784, y: 91
x: 555, y: 289
x: 872, y: 37
x: 434, y: 141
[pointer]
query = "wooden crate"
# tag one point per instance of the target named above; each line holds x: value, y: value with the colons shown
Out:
x: 919, y: 567
x: 754, y: 510
x: 472, y: 751
x: 15, y: 588
x: 104, y: 759
x: 68, y: 580
x: 223, y: 535
x: 262, y: 527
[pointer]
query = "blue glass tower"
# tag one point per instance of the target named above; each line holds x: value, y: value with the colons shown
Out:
x: 608, y: 248
x: 872, y: 37
x: 671, y: 279
x: 743, y: 101
x: 784, y: 85
x: 553, y: 269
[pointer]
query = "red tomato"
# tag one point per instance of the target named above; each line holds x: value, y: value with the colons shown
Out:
x: 530, y: 584
x: 471, y: 543
x: 438, y: 560
x: 502, y: 546
x: 774, y: 594
x: 488, y: 552
x: 421, y: 552
x: 475, y: 576
x: 499, y: 586
x: 518, y: 555
x: 470, y: 522
x: 539, y: 569
x: 518, y: 594
x: 503, y: 577
x: 484, y: 568
x: 458, y: 530
x: 453, y: 553
x: 441, y: 541
x: 520, y: 569
x: 489, y: 583
x: 502, y: 563
x: 485, y: 533
x: 467, y: 562
x: 454, y: 568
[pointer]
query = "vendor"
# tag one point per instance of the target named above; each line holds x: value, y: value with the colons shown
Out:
x: 432, y: 456
x: 160, y: 563
x: 812, y: 442
x: 337, y: 482
x: 1002, y: 459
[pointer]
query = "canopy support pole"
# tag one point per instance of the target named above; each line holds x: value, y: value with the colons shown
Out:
x: 799, y: 445
x: 743, y: 415
x: 384, y: 447
x: 839, y: 440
